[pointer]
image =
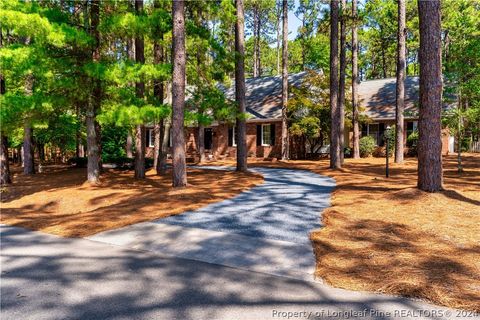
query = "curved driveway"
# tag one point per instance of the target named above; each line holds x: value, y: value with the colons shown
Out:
x: 264, y: 229
x: 286, y: 207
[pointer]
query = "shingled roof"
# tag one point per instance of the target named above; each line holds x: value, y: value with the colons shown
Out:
x: 264, y: 95
x: 377, y: 98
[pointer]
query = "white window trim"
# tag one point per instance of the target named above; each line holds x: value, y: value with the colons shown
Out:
x: 270, y: 142
x: 234, y: 140
x: 151, y: 142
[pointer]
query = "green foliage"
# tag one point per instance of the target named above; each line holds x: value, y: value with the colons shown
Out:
x: 412, y: 142
x: 309, y: 109
x: 367, y: 146
x: 114, y: 140
x: 390, y: 136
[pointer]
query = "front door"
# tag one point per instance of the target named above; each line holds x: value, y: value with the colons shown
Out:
x: 208, y: 138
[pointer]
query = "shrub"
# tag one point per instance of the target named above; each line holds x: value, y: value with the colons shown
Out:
x: 367, y: 146
x: 412, y: 141
x: 347, y: 152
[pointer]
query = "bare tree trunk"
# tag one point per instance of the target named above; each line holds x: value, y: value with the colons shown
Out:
x: 285, y: 143
x: 201, y: 142
x: 178, y: 93
x: 4, y: 164
x: 165, y: 135
x: 343, y: 66
x: 356, y: 131
x: 129, y: 144
x: 93, y: 148
x: 400, y: 92
x: 255, y: 42
x: 28, y: 161
x: 140, y: 90
x: 158, y: 91
x: 335, y: 157
x: 278, y: 44
x: 240, y: 86
x: 28, y: 158
x: 430, y: 175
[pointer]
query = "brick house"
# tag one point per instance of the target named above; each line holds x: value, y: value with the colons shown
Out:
x: 264, y: 108
x: 377, y: 99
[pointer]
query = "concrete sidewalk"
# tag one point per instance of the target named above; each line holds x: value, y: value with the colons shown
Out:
x: 48, y: 277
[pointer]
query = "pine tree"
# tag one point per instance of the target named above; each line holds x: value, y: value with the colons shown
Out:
x: 430, y: 175
x: 400, y: 88
x: 178, y: 94
x: 285, y: 142
x: 335, y: 117
x: 240, y: 86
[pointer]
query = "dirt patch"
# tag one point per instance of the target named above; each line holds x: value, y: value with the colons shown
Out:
x: 59, y: 202
x: 385, y: 235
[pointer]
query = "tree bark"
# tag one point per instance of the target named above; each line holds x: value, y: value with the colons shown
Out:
x: 285, y: 142
x: 129, y: 144
x: 165, y: 137
x: 139, y: 90
x: 400, y: 92
x: 256, y: 41
x: 356, y: 131
x: 158, y: 91
x: 93, y: 147
x: 178, y: 94
x: 240, y: 86
x: 28, y: 155
x: 28, y: 159
x: 4, y: 164
x: 430, y: 175
x: 5, y: 177
x: 201, y: 142
x: 341, y: 84
x: 335, y: 157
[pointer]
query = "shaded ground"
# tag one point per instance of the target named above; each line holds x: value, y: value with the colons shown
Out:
x: 384, y: 235
x: 58, y: 201
x: 48, y: 277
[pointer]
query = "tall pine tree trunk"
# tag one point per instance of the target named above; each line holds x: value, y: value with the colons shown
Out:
x: 341, y: 84
x: 400, y: 92
x: 139, y: 90
x: 356, y: 129
x: 335, y: 157
x: 165, y: 135
x: 93, y: 147
x: 430, y: 175
x: 28, y: 155
x: 201, y: 142
x: 4, y: 165
x: 129, y: 144
x: 158, y: 91
x: 240, y: 86
x: 285, y: 142
x: 178, y: 94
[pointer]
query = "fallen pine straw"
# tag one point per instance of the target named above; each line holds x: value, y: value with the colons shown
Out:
x: 385, y: 235
x: 59, y: 202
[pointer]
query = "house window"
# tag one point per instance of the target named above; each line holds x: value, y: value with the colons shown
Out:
x: 411, y: 127
x: 150, y: 138
x: 373, y: 130
x: 266, y: 134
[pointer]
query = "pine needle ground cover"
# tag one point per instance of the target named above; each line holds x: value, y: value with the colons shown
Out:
x: 59, y: 202
x: 385, y: 235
